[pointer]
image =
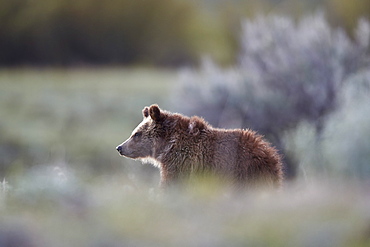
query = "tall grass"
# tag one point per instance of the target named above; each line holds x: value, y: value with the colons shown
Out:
x: 52, y: 208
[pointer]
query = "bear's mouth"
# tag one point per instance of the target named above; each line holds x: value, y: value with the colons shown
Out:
x: 123, y: 151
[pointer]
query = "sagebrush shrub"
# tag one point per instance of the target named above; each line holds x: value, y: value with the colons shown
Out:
x: 288, y: 72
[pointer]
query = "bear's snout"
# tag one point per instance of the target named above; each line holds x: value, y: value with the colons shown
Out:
x: 119, y: 149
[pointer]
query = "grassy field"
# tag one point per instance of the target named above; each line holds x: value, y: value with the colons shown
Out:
x: 75, y: 117
x: 63, y: 184
x: 50, y: 209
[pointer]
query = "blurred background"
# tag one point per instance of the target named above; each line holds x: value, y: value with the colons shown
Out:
x: 75, y: 75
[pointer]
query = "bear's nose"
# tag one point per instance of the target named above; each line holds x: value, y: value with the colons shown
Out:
x: 119, y: 149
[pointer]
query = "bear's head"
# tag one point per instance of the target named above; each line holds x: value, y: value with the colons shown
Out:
x: 160, y: 132
x: 148, y: 138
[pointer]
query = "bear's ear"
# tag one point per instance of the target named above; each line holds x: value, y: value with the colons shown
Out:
x: 146, y: 112
x: 193, y: 129
x: 155, y: 113
x: 195, y: 125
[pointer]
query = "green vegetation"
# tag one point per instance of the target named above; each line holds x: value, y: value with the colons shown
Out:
x: 54, y: 209
x: 300, y: 81
x: 63, y: 184
x: 161, y: 32
x: 65, y: 32
x: 73, y: 117
x: 302, y: 84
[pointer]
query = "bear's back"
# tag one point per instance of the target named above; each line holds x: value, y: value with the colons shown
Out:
x: 243, y: 155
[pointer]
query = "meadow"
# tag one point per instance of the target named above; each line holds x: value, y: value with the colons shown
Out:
x: 63, y: 183
x: 73, y: 116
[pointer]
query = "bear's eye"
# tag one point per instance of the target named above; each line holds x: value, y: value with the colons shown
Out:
x: 137, y: 134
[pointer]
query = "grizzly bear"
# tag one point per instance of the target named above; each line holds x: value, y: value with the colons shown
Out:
x: 183, y: 146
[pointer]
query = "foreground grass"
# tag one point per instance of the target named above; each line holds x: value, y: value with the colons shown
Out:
x: 55, y: 208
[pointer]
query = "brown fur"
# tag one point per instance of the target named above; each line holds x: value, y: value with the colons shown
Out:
x: 181, y: 147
